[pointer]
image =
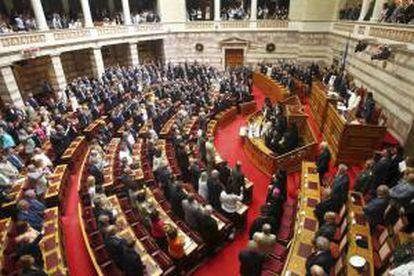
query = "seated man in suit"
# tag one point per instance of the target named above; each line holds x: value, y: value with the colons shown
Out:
x: 321, y: 256
x: 327, y: 229
x: 322, y: 161
x: 337, y: 196
x: 374, y: 210
x: 115, y: 245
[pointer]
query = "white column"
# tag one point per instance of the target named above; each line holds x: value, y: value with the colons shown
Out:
x: 364, y: 9
x: 57, y: 74
x: 377, y: 10
x: 65, y: 6
x: 97, y: 62
x: 126, y: 12
x: 133, y: 54
x: 87, y: 16
x: 9, y: 91
x: 39, y: 15
x: 253, y: 10
x: 217, y: 10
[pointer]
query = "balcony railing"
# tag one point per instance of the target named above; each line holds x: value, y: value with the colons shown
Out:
x: 21, y: 41
x: 396, y: 32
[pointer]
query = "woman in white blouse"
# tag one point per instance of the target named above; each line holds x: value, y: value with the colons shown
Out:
x: 230, y: 202
x: 202, y: 186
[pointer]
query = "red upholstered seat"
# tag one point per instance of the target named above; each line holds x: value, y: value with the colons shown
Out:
x: 163, y: 260
x: 279, y: 252
x: 149, y: 245
x: 101, y: 255
x: 96, y: 240
x: 274, y: 265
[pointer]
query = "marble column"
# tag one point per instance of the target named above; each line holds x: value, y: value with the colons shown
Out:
x: 364, y: 9
x: 97, y: 62
x: 217, y: 10
x: 253, y: 10
x: 126, y: 12
x: 66, y: 6
x: 39, y: 15
x: 133, y: 54
x: 87, y: 16
x: 377, y: 10
x: 57, y: 75
x: 9, y: 91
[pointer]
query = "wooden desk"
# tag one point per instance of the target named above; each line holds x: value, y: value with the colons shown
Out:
x: 111, y: 156
x: 51, y: 245
x: 93, y: 128
x: 58, y: 181
x: 5, y: 227
x: 189, y: 244
x: 72, y: 153
x: 15, y: 194
x: 152, y: 267
x: 318, y: 102
x: 358, y: 226
x: 226, y: 116
x: 270, y: 88
x: 351, y: 142
x: 268, y: 161
x: 306, y: 223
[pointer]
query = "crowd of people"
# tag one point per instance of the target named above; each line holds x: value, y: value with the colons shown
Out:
x: 387, y: 183
x: 401, y: 12
x: 398, y: 12
x: 235, y: 11
x: 350, y: 13
x: 17, y: 22
x: 280, y: 13
x: 120, y: 93
x: 25, y: 22
x: 201, y: 91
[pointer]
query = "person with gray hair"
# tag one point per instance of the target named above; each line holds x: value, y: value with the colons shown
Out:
x: 374, y: 210
x: 251, y: 260
x: 337, y: 196
x: 265, y: 240
x: 321, y: 257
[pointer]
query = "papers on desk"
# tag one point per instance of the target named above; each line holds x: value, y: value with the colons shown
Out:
x: 253, y: 130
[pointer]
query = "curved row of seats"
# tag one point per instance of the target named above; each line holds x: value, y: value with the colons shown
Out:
x: 195, y: 248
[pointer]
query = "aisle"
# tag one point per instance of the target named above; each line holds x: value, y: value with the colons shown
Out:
x: 228, y: 144
x: 77, y: 256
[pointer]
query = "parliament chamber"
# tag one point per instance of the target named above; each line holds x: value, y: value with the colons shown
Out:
x: 207, y: 137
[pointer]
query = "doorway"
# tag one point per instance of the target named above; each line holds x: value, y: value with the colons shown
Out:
x: 234, y: 57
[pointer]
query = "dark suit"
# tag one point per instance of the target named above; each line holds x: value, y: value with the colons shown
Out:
x: 176, y: 197
x: 131, y: 263
x: 237, y: 181
x: 251, y: 263
x: 374, y: 211
x: 323, y: 259
x: 195, y: 173
x: 214, y: 190
x: 208, y: 229
x: 115, y: 247
x: 336, y: 199
x: 322, y: 162
x: 97, y: 173
x: 327, y: 230
x: 380, y: 172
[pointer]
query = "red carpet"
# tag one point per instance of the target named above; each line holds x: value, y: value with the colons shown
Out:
x: 228, y: 144
x: 78, y: 260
